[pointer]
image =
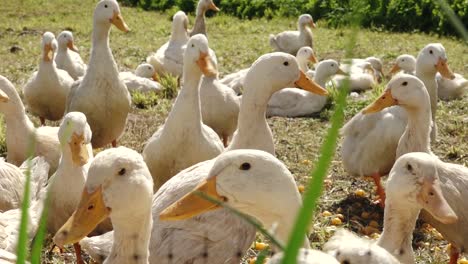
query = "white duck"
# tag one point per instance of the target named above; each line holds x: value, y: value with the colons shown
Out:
x: 451, y: 89
x: 199, y: 26
x: 405, y: 63
x: 12, y: 180
x: 387, y: 130
x: 304, y: 56
x: 101, y: 95
x: 363, y: 132
x: 361, y: 73
x: 238, y: 178
x: 292, y: 102
x: 67, y: 57
x: 169, y: 57
x: 119, y: 186
x: 413, y: 185
x: 346, y: 247
x: 10, y: 220
x: 291, y: 41
x: 184, y: 140
x: 306, y: 256
x: 432, y: 59
x: 140, y: 80
x: 223, y: 234
x: 66, y: 185
x: 20, y: 130
x: 420, y: 181
x: 45, y: 93
x: 219, y: 106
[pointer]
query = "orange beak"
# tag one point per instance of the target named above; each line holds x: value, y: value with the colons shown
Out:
x: 384, y: 101
x: 193, y: 204
x: 206, y: 66
x: 48, y: 52
x: 155, y: 77
x: 444, y: 70
x: 307, y: 84
x: 4, y: 97
x: 313, y: 25
x: 72, y: 46
x: 313, y: 59
x: 395, y: 69
x: 118, y: 21
x: 213, y: 7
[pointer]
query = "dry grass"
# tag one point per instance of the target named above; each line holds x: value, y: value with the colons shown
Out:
x: 238, y: 43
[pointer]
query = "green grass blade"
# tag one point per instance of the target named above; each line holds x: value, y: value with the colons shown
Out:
x: 327, y: 152
x: 22, y: 246
x: 247, y: 218
x: 454, y: 19
x: 315, y: 185
x: 41, y: 234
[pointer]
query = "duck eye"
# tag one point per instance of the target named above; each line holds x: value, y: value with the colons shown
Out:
x: 285, y: 63
x: 193, y: 46
x: 409, y: 167
x: 333, y: 65
x: 245, y: 166
x: 105, y: 6
x: 404, y: 83
x: 431, y: 52
x: 122, y: 171
x: 149, y: 68
x: 402, y: 59
x: 346, y: 262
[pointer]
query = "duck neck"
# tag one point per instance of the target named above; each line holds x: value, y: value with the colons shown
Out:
x: 186, y: 109
x: 101, y: 53
x: 199, y: 27
x: 397, y: 232
x: 62, y: 49
x: 66, y: 163
x: 19, y: 127
x: 253, y: 131
x: 428, y: 78
x: 303, y: 65
x: 416, y: 137
x: 281, y: 224
x: 131, y: 238
x: 321, y: 77
x: 179, y: 33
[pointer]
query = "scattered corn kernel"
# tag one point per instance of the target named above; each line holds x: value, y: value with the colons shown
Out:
x: 463, y: 261
x: 301, y: 188
x: 374, y: 223
x: 306, y: 162
x: 375, y: 236
x: 369, y: 230
x: 336, y: 221
x: 340, y: 216
x: 260, y: 245
x: 360, y: 193
x: 326, y: 214
x: 252, y: 260
x: 327, y: 183
x: 365, y: 215
x: 339, y: 210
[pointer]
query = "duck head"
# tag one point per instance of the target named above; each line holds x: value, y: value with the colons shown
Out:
x: 107, y: 12
x: 119, y: 186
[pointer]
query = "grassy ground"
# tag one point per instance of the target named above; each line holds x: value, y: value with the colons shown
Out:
x: 238, y: 43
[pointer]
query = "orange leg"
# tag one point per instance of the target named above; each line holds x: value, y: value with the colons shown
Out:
x: 380, y: 189
x: 114, y: 143
x: 79, y: 259
x: 42, y: 121
x: 454, y: 254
